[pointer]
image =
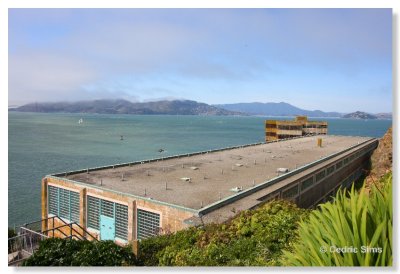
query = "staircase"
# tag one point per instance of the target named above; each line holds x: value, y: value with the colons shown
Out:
x: 31, y: 234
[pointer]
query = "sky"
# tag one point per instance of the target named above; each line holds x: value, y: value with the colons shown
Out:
x: 326, y: 59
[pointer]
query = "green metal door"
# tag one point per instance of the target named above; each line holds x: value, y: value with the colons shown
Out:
x: 107, y: 228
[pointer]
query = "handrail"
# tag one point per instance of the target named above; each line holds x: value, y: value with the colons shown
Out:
x: 56, y: 228
x: 72, y: 228
x: 85, y: 231
x: 75, y: 223
x: 70, y: 225
x: 25, y: 230
x: 48, y: 218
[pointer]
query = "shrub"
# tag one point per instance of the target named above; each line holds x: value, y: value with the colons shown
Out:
x: 66, y: 252
x: 358, y: 221
x: 254, y: 237
x: 11, y: 242
x: 11, y: 232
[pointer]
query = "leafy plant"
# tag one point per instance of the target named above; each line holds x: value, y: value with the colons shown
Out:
x: 66, y: 252
x: 11, y: 242
x: 11, y: 232
x: 254, y: 237
x: 359, y: 224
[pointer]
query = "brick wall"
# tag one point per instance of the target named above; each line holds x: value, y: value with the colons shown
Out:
x: 171, y: 219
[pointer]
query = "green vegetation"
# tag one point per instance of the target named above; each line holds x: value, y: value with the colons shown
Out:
x: 359, y: 221
x: 255, y: 237
x: 11, y: 232
x: 278, y: 233
x: 61, y: 252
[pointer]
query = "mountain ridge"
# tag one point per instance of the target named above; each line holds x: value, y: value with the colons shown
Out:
x: 186, y: 107
x: 120, y: 106
x: 275, y: 109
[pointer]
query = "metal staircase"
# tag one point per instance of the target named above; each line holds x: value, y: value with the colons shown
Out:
x: 31, y: 234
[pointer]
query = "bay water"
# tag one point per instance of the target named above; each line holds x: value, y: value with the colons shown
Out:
x: 41, y: 144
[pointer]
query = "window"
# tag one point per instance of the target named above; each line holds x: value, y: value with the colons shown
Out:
x: 107, y: 208
x: 330, y: 169
x: 148, y: 224
x: 320, y: 176
x: 307, y: 183
x: 74, y: 206
x: 268, y: 197
x: 345, y: 161
x: 339, y: 164
x: 121, y: 221
x: 289, y: 127
x: 93, y: 212
x: 53, y: 200
x: 63, y: 203
x: 291, y: 192
x: 119, y: 212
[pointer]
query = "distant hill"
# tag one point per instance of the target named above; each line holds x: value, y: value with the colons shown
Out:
x: 176, y: 107
x: 384, y: 115
x: 276, y: 109
x: 359, y: 115
x: 185, y: 107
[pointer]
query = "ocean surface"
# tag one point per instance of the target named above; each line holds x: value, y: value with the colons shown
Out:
x: 41, y: 144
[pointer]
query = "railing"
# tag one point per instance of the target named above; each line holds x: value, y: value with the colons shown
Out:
x: 72, y: 232
x: 23, y: 245
x: 30, y: 235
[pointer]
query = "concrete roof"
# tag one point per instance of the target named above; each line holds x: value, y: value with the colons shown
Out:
x: 213, y: 175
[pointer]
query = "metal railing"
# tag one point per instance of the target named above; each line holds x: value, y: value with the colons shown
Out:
x: 73, y: 231
x: 29, y: 236
x: 23, y: 245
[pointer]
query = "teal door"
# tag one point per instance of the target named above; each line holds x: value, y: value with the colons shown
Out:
x: 107, y: 228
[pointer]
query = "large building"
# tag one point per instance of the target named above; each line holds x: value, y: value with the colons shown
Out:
x: 132, y: 201
x: 300, y: 126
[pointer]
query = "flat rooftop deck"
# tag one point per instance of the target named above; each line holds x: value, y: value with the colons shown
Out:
x: 213, y: 175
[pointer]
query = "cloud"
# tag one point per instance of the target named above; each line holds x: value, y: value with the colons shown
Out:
x: 137, y: 53
x: 36, y: 76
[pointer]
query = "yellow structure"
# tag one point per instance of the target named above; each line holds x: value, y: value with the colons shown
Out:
x: 300, y: 126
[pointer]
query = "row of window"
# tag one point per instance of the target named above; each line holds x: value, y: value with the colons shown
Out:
x: 292, y: 192
x: 285, y: 127
x: 307, y: 183
x: 315, y: 126
x: 270, y: 125
x: 65, y: 204
x: 344, y: 184
x: 284, y: 136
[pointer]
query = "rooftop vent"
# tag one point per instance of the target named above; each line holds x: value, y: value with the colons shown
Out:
x: 236, y: 189
x: 282, y: 170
